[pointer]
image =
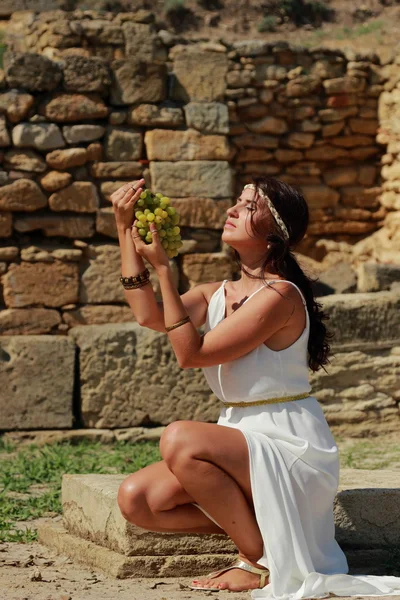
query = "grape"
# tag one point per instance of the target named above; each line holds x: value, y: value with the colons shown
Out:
x: 157, y: 209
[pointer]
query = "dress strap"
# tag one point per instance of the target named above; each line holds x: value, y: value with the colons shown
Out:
x: 296, y: 286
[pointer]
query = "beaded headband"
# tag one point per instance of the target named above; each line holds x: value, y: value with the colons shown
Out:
x: 272, y: 209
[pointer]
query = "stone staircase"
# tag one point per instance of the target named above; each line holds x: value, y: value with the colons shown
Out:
x: 93, y: 532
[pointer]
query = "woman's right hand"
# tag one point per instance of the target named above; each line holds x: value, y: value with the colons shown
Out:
x: 124, y: 200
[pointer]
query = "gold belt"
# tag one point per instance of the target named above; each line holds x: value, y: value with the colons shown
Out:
x: 269, y: 401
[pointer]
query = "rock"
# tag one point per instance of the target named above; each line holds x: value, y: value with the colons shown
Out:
x: 101, y: 32
x: 310, y: 126
x: 268, y: 125
x: 344, y: 85
x: 16, y: 105
x: 143, y: 43
x: 202, y: 212
x: 149, y: 115
x: 205, y: 267
x: 105, y: 223
x: 351, y: 141
x: 107, y: 188
x: 332, y: 129
x: 8, y: 253
x: 367, y: 317
x: 97, y: 315
x: 300, y: 140
x: 57, y: 225
x: 24, y: 161
x: 54, y: 180
x: 320, y: 195
x: 80, y: 196
x: 22, y: 195
x: 373, y: 277
x: 251, y: 48
x: 253, y: 155
x: 32, y: 72
x: 193, y: 178
x: 248, y: 140
x: 328, y: 115
x: 200, y: 76
x: 383, y: 245
x: 47, y: 284
x: 325, y: 153
x: 341, y: 176
x: 47, y: 360
x: 128, y: 169
x: 239, y: 79
x: 207, y: 117
x: 28, y: 321
x: 42, y: 136
x: 94, y: 152
x: 4, y: 135
x: 136, y: 82
x: 365, y: 126
x: 339, y: 279
x: 6, y: 224
x: 64, y: 107
x: 83, y: 74
x: 76, y: 134
x: 304, y: 85
x: 286, y: 156
x: 172, y: 145
x: 66, y: 159
x: 120, y: 396
x: 123, y: 144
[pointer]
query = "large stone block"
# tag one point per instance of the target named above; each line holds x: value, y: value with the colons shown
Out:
x: 22, y: 194
x: 67, y: 159
x: 16, y: 104
x: 205, y: 267
x: 201, y: 178
x: 106, y: 170
x: 27, y: 160
x: 46, y: 284
x: 114, y: 392
x: 272, y: 125
x: 207, y: 117
x: 42, y: 136
x: 64, y: 108
x: 57, y: 225
x: 366, y: 317
x: 82, y: 74
x: 80, y: 196
x: 75, y: 134
x: 32, y: 72
x: 6, y: 224
x: 143, y: 43
x: 202, y: 212
x: 150, y: 115
x: 5, y: 139
x: 344, y: 85
x: 28, y: 321
x: 199, y: 76
x: 320, y: 195
x: 37, y: 380
x: 166, y: 145
x: 123, y: 144
x: 136, y: 81
x: 97, y: 315
x: 373, y: 277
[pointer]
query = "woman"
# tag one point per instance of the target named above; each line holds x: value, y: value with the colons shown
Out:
x: 266, y: 474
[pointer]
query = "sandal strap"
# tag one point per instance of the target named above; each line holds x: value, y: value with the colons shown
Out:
x: 264, y: 573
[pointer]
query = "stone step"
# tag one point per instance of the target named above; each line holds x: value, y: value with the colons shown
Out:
x: 366, y: 511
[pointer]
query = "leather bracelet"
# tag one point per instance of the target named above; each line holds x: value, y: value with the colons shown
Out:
x: 185, y: 320
x: 133, y: 286
x: 144, y: 275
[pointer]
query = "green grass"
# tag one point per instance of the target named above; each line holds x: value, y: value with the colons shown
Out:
x: 30, y: 477
x: 346, y: 33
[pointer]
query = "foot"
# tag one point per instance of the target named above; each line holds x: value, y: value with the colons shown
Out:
x: 235, y: 580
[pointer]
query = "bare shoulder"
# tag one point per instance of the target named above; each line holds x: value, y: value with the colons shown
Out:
x: 208, y: 289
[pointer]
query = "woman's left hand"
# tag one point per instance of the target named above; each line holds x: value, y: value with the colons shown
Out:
x: 154, y: 252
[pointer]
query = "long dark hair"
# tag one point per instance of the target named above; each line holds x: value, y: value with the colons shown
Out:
x: 293, y: 210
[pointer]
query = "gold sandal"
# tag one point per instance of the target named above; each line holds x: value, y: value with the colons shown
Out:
x: 239, y: 564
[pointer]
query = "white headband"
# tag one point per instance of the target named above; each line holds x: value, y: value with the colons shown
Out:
x: 272, y: 209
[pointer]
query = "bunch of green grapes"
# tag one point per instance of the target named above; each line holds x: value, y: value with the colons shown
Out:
x: 156, y: 208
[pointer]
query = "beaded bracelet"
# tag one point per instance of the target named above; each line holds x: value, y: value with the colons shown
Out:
x: 132, y: 281
x: 185, y: 320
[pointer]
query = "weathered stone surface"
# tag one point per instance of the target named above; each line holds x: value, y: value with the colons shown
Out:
x: 22, y: 194
x: 32, y: 72
x: 328, y: 115
x: 6, y: 225
x: 367, y: 317
x: 300, y: 140
x: 286, y: 156
x: 365, y: 126
x: 46, y: 284
x: 24, y: 161
x: 150, y: 115
x: 9, y: 253
x: 344, y: 85
x: 341, y: 176
x: 90, y: 511
x: 303, y: 86
x: 350, y: 141
x: 64, y: 108
x: 42, y: 136
x: 200, y: 76
x: 100, y: 31
x: 5, y: 139
x: 202, y: 268
x: 57, y: 225
x: 143, y: 43
x: 98, y: 315
x: 49, y: 253
x: 66, y: 159
x: 16, y: 104
x: 80, y: 196
x: 253, y: 155
x: 107, y: 188
x: 83, y: 74
x: 320, y: 195
x: 46, y: 360
x: 135, y: 81
x: 249, y: 140
x: 123, y: 144
x: 54, y: 180
x: 207, y: 117
x: 197, y: 178
x: 94, y: 152
x: 339, y: 279
x: 202, y: 212
x: 239, y: 79
x: 358, y: 393
x: 105, y: 222
x: 116, y: 394
x: 172, y: 145
x: 128, y: 169
x: 28, y: 321
x: 75, y: 134
x: 325, y: 153
x: 268, y: 125
x: 373, y: 277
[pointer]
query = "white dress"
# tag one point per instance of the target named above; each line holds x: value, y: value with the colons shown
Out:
x: 294, y: 469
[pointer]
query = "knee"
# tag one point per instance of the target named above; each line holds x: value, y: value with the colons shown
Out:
x: 132, y: 501
x: 176, y: 443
